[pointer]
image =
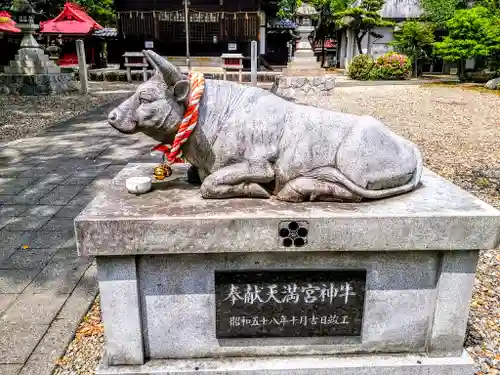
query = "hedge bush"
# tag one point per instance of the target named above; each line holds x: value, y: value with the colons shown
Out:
x: 391, y: 65
x: 360, y: 67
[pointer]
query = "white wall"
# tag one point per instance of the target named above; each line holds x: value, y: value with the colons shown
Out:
x: 379, y: 46
x: 399, y: 8
x: 395, y: 9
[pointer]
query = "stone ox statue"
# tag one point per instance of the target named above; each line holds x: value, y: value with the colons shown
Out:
x: 252, y: 143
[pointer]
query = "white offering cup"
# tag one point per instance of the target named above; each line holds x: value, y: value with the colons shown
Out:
x: 138, y: 185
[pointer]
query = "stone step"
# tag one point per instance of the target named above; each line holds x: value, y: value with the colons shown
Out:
x: 304, y: 58
x: 309, y: 64
x: 305, y: 66
x: 31, y: 70
x: 304, y: 53
x: 32, y: 56
x: 32, y: 63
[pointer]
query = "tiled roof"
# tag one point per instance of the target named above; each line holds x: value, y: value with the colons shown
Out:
x: 71, y: 20
x: 107, y: 32
x: 7, y: 25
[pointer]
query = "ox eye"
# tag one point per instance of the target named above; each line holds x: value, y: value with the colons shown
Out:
x: 143, y: 100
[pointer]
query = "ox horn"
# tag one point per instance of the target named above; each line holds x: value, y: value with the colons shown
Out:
x: 170, y: 73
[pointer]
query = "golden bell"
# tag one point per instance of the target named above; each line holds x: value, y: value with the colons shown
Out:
x: 162, y: 171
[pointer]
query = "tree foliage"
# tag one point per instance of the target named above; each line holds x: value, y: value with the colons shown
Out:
x: 286, y: 8
x: 331, y: 7
x: 363, y: 18
x: 415, y: 39
x: 492, y: 5
x: 327, y: 8
x: 328, y: 19
x: 472, y: 33
x: 440, y: 11
x: 329, y: 15
x: 101, y: 10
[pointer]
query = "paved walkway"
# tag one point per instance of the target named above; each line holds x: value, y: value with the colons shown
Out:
x: 45, y: 181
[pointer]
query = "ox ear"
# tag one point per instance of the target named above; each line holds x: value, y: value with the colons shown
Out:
x: 149, y: 59
x: 181, y: 90
x: 170, y: 72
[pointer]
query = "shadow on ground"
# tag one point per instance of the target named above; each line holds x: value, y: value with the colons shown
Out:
x: 45, y: 182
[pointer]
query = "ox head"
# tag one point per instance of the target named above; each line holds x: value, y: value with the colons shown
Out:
x: 158, y: 105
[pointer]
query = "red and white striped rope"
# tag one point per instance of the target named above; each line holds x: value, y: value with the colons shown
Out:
x: 173, y: 153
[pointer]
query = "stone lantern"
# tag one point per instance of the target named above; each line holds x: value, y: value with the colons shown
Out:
x: 24, y: 15
x: 304, y: 59
x: 32, y: 72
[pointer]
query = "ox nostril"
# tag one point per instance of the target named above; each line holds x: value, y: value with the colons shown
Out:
x: 112, y: 117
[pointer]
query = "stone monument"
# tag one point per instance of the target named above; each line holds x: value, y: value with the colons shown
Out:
x: 253, y: 286
x: 304, y: 59
x: 244, y: 286
x: 32, y: 72
x: 304, y: 75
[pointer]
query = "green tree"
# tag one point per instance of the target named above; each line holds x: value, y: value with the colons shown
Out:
x: 472, y: 33
x: 328, y: 25
x: 363, y: 19
x: 492, y: 5
x: 286, y: 8
x: 45, y: 9
x: 102, y: 11
x: 414, y: 39
x: 440, y: 11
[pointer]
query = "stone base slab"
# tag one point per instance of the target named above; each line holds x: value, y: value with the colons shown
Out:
x: 292, y: 86
x: 338, y: 365
x: 437, y: 216
x: 37, y: 84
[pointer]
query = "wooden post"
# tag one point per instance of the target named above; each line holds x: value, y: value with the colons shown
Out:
x: 253, y: 63
x: 82, y: 66
x: 144, y: 69
x: 186, y: 25
x: 129, y: 73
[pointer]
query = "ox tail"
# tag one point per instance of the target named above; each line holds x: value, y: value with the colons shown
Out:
x: 334, y: 175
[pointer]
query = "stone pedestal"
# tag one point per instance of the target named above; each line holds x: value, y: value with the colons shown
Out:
x: 296, y: 86
x: 37, y: 84
x: 34, y: 73
x: 160, y: 255
x: 304, y: 75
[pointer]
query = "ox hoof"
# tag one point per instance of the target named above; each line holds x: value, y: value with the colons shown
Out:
x: 253, y: 190
x: 288, y: 194
x: 244, y: 190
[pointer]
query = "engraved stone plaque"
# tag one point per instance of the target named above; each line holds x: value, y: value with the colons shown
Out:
x: 289, y: 303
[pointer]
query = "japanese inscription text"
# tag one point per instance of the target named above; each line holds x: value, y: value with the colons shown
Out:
x: 289, y: 303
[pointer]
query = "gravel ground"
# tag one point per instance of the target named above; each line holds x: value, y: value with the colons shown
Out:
x: 25, y: 116
x: 86, y: 349
x: 459, y: 134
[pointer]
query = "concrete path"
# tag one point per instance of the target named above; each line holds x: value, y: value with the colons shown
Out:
x: 45, y: 181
